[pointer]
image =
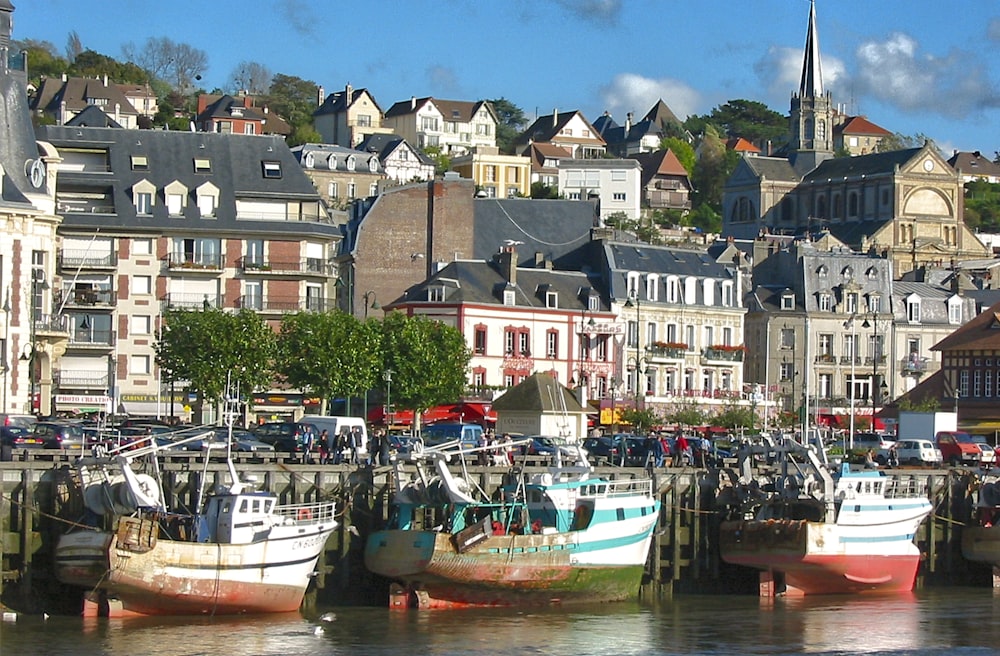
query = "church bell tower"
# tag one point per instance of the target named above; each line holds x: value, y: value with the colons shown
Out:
x: 811, y: 108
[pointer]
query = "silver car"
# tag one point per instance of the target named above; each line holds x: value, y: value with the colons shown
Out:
x: 917, y: 452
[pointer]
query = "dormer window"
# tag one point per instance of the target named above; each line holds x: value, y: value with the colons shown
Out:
x: 822, y: 271
x: 913, y: 309
x: 848, y: 273
x: 508, y: 297
x: 309, y: 160
x: 140, y: 163
x: 593, y: 303
x: 435, y: 294
x: 788, y: 301
x: 373, y: 165
x: 551, y: 299
x: 351, y: 163
x: 331, y: 162
x: 955, y: 311
x: 202, y: 165
x: 852, y: 303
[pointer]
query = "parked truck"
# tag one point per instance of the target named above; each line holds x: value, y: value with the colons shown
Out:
x: 956, y: 447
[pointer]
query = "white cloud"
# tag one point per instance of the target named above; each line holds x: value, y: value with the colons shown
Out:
x: 597, y: 11
x: 442, y: 78
x: 894, y: 71
x: 628, y: 92
x: 780, y: 71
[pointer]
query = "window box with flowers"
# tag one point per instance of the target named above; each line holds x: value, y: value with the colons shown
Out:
x: 725, y: 352
x: 667, y: 349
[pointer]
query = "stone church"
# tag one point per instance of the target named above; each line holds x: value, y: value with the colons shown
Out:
x: 905, y: 205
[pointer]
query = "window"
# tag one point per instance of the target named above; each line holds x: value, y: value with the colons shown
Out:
x: 352, y: 190
x: 140, y: 324
x: 142, y: 247
x: 618, y: 196
x: 852, y: 303
x: 787, y: 301
x: 552, y: 344
x: 602, y: 347
x: 913, y: 310
x: 332, y: 190
x: 373, y: 189
x: 632, y: 333
x: 253, y: 252
x: 523, y: 342
x: 875, y: 303
x: 202, y: 165
x: 786, y: 371
x: 253, y: 295
x: 618, y: 175
x: 143, y: 202
x: 826, y: 345
x: 479, y: 343
x: 272, y: 170
x: 206, y: 204
x: 508, y: 341
x: 551, y: 299
x: 825, y: 302
x: 175, y: 204
x: 142, y: 285
x: 508, y: 297
x: 652, y: 287
x: 140, y: 163
x: 138, y: 364
x: 435, y: 294
x: 351, y: 163
x: 954, y: 311
x: 787, y: 338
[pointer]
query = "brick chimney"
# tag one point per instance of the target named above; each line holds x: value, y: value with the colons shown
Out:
x: 506, y: 259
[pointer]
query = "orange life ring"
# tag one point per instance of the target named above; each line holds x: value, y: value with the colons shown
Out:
x: 305, y: 514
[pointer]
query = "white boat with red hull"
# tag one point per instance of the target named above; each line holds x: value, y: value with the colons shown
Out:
x: 825, y: 534
x: 242, y: 553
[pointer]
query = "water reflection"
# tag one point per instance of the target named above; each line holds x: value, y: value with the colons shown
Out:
x: 963, y: 621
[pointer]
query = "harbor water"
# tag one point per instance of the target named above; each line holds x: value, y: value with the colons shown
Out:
x: 939, y: 621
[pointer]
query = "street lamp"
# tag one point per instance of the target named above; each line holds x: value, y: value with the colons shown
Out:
x: 854, y: 358
x: 374, y: 302
x: 387, y: 377
x: 633, y: 301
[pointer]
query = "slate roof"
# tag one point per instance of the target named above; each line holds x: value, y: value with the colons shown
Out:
x: 236, y: 170
x: 538, y: 393
x: 555, y: 228
x: 974, y: 164
x: 222, y: 107
x: 339, y: 101
x: 773, y: 168
x: 624, y: 257
x: 93, y: 117
x: 662, y: 115
x: 386, y: 144
x: 481, y: 282
x: 323, y: 152
x: 545, y: 129
x: 873, y: 164
x: 77, y: 93
x: 460, y: 110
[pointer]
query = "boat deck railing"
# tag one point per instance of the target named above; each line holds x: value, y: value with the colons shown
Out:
x: 320, y: 512
x: 904, y: 488
x: 617, y: 488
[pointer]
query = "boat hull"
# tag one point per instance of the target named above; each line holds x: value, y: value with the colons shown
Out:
x: 508, y: 570
x: 188, y: 578
x: 823, y: 558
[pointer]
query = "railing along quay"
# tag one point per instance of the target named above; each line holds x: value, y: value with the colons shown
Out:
x: 684, y: 556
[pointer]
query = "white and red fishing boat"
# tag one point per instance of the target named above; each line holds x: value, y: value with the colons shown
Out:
x: 242, y: 552
x: 823, y: 534
x: 557, y: 536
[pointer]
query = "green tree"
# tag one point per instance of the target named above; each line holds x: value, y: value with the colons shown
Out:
x: 427, y: 360
x: 641, y: 420
x: 734, y: 416
x: 329, y: 354
x: 93, y: 64
x: 43, y: 61
x: 293, y: 99
x: 541, y: 191
x: 749, y: 119
x: 442, y: 162
x: 206, y: 347
x: 687, y: 414
x: 682, y: 150
x: 511, y: 123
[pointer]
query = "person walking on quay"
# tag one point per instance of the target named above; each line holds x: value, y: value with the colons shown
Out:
x: 682, y: 451
x: 340, y: 443
x: 383, y: 444
x: 356, y: 442
x: 705, y: 447
x: 656, y: 449
x: 308, y: 443
x: 324, y: 447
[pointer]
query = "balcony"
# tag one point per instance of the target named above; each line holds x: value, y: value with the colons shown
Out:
x: 723, y: 354
x: 83, y: 338
x: 878, y: 360
x: 848, y: 360
x: 666, y: 351
x: 191, y: 262
x: 193, y: 301
x: 309, y: 266
x: 76, y: 260
x: 83, y: 379
x: 826, y: 358
x: 913, y: 366
x: 282, y: 304
x: 51, y: 325
x: 87, y: 298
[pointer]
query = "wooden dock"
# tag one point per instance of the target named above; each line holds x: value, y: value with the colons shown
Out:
x: 684, y: 555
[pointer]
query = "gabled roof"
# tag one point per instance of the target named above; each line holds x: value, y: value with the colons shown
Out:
x: 547, y: 128
x: 772, y: 168
x: 861, y: 125
x: 77, y: 93
x: 340, y: 101
x: 974, y: 164
x: 227, y: 107
x: 604, y: 123
x: 741, y: 145
x: 456, y: 110
x: 660, y: 163
x: 93, y: 117
x: 982, y: 333
x: 661, y: 114
x: 540, y: 152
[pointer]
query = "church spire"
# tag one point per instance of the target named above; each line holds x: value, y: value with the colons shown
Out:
x: 812, y: 72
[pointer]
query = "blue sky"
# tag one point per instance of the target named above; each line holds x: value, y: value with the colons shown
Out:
x: 913, y: 67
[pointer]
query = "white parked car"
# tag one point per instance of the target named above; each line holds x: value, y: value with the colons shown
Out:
x: 915, y: 452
